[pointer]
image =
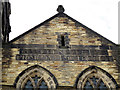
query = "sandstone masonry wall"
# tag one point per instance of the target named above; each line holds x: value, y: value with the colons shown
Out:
x: 42, y: 46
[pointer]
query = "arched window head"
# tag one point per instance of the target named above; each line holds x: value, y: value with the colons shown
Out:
x: 35, y: 81
x: 95, y: 79
x: 94, y: 82
x: 36, y: 78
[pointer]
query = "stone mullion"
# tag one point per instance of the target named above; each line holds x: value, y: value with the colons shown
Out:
x: 83, y: 83
x: 39, y: 81
x: 24, y: 82
x: 91, y: 82
x: 33, y: 83
x: 98, y: 83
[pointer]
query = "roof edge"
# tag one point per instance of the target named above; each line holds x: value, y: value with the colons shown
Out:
x: 60, y: 14
x: 16, y: 38
x: 90, y: 29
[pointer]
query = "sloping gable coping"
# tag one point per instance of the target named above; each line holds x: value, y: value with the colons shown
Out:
x: 59, y: 15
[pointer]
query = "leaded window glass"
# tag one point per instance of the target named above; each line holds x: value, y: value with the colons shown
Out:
x: 29, y: 85
x: 43, y: 85
x: 102, y: 86
x: 88, y: 86
x: 35, y: 82
x: 96, y: 79
x: 36, y: 78
x: 94, y: 82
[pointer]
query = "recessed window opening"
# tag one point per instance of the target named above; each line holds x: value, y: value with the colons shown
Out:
x: 62, y: 40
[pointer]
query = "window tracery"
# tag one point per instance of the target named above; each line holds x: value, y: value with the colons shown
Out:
x: 36, y: 78
x: 35, y: 82
x: 95, y: 79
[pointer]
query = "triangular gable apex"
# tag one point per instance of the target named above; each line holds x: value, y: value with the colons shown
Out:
x: 57, y: 15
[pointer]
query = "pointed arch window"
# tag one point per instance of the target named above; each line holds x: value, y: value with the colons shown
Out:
x: 33, y: 82
x: 94, y: 82
x: 95, y: 78
x: 36, y: 78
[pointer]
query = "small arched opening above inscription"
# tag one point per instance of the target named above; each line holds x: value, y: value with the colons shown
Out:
x: 62, y: 40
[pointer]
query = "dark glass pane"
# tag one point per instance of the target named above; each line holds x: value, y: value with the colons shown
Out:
x: 88, y: 86
x: 43, y: 85
x: 28, y: 85
x: 35, y: 79
x: 102, y: 86
x: 94, y: 79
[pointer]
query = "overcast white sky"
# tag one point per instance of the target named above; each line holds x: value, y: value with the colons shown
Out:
x: 99, y: 15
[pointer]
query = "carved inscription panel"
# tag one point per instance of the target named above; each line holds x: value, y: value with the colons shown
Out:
x: 63, y: 54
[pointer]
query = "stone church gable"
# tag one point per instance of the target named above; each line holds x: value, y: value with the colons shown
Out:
x: 49, y: 31
x: 60, y: 53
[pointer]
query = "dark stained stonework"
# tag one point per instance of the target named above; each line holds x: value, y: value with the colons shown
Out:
x: 57, y: 46
x: 63, y: 58
x: 64, y: 51
x: 64, y: 54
